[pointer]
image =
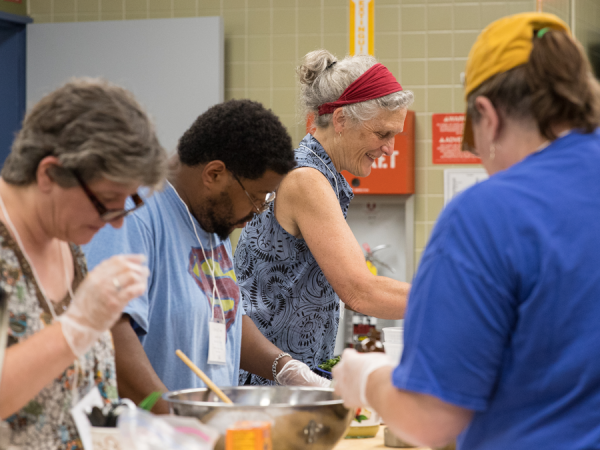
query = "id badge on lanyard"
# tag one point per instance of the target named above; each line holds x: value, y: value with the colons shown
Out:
x: 217, y: 342
x: 217, y: 334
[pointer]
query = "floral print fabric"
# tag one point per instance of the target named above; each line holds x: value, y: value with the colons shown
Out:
x: 284, y: 291
x: 45, y: 423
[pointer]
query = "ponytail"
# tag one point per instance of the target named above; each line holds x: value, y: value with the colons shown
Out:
x: 563, y: 88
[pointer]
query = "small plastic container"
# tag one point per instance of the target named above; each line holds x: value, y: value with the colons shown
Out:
x: 394, y: 351
x: 249, y: 435
x: 323, y: 373
x: 393, y: 334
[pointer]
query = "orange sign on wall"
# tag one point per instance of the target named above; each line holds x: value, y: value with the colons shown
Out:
x: 446, y: 139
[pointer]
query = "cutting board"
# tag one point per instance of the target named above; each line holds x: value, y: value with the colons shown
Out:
x: 367, y: 443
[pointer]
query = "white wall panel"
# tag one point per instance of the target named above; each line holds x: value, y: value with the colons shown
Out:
x: 174, y: 67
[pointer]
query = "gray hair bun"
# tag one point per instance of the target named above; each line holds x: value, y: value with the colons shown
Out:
x: 313, y: 65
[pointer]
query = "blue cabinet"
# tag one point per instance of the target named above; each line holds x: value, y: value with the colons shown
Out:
x: 12, y: 78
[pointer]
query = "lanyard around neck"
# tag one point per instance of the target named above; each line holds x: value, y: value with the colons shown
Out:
x: 211, y: 267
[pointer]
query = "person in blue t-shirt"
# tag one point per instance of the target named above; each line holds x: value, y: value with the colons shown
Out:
x: 501, y: 327
x: 227, y: 167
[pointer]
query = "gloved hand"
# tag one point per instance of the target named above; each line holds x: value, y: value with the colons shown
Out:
x: 350, y: 375
x: 100, y: 299
x: 296, y: 373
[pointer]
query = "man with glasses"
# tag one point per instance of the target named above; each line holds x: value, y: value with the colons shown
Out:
x: 270, y: 198
x: 227, y: 168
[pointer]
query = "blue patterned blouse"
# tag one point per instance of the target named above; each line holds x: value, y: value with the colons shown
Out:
x: 283, y: 288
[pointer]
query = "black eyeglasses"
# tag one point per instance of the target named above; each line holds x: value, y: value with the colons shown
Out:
x: 108, y: 215
x: 269, y: 198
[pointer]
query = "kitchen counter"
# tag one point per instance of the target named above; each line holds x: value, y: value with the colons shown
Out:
x: 367, y: 443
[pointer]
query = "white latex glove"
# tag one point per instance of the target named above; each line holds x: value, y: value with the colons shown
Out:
x: 296, y: 373
x: 351, y: 374
x: 100, y: 299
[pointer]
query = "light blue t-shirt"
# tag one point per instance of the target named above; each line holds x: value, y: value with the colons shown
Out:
x: 175, y: 311
x: 504, y: 312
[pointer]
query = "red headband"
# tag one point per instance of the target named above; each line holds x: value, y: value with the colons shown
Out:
x: 376, y: 82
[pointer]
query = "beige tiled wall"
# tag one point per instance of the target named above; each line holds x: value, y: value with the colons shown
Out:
x: 587, y: 24
x: 13, y: 7
x: 425, y: 43
x: 562, y: 8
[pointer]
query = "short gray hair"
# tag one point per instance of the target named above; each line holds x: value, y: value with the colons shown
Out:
x: 321, y: 82
x: 94, y: 128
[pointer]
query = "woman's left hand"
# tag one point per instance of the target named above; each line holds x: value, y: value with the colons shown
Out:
x: 351, y: 374
x: 296, y: 373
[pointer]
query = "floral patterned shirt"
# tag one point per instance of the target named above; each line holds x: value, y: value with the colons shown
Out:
x: 45, y: 423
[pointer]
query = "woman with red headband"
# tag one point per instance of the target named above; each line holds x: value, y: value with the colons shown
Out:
x: 298, y: 259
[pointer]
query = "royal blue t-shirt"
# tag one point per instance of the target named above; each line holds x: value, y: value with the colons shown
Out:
x: 504, y: 312
x: 174, y: 312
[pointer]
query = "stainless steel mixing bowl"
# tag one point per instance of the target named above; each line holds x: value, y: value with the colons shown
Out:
x: 301, y: 417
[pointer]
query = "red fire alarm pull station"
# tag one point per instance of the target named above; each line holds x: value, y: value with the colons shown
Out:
x: 394, y: 174
x: 446, y: 139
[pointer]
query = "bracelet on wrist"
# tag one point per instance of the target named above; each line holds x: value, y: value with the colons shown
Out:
x: 274, y: 366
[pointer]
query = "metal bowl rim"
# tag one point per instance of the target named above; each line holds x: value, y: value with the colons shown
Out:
x: 166, y: 397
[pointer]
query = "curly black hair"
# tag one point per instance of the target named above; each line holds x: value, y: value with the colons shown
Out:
x: 243, y: 134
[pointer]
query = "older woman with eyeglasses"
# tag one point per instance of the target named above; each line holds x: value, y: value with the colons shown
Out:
x: 297, y: 261
x: 82, y: 151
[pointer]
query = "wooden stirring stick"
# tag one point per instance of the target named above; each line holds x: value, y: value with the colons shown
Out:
x: 212, y: 386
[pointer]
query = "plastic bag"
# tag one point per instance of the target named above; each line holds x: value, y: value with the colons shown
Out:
x: 141, y: 430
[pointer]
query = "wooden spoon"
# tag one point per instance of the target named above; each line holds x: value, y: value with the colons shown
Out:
x: 212, y: 386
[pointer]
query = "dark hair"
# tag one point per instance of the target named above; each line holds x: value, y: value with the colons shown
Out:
x: 243, y: 134
x: 93, y: 127
x: 555, y: 86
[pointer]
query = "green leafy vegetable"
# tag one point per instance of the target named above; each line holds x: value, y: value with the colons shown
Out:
x: 149, y: 402
x: 328, y: 365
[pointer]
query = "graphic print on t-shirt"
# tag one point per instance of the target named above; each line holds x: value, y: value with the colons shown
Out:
x: 200, y: 270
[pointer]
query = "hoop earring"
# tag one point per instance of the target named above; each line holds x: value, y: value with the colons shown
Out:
x: 492, y: 151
